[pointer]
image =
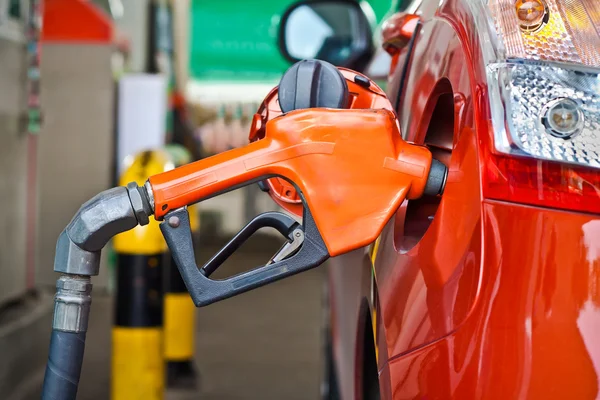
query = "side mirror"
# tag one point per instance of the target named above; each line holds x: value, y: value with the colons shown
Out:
x: 336, y: 31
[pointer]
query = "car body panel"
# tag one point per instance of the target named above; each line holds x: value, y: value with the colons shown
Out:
x: 427, y: 285
x: 425, y: 293
x: 533, y: 332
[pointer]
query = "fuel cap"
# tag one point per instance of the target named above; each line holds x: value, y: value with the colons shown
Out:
x: 310, y: 84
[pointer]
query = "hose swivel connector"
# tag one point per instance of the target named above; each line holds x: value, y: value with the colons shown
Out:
x: 72, y: 303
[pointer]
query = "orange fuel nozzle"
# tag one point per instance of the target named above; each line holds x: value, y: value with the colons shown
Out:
x: 326, y: 145
x: 350, y: 166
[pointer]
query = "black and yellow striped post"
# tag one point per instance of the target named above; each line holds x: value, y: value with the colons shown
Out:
x: 154, y: 314
x: 137, y: 337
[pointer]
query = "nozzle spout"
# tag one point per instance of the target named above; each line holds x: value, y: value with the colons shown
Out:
x: 436, y: 181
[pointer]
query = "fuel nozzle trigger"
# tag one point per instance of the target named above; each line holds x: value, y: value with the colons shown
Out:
x: 303, y: 250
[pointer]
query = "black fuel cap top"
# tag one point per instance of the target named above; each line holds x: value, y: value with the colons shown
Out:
x: 310, y: 84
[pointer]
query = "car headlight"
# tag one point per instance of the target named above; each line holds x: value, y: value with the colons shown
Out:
x: 551, y: 112
x: 542, y: 61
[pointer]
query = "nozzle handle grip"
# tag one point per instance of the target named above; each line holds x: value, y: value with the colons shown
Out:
x: 205, y: 291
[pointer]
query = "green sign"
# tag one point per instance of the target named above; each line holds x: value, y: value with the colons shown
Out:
x: 236, y: 40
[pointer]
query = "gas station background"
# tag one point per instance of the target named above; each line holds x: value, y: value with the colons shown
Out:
x: 85, y: 85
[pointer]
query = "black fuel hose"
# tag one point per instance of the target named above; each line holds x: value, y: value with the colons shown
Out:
x: 65, y: 357
x: 64, y: 365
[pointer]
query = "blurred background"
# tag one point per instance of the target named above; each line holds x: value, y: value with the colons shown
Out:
x: 99, y: 93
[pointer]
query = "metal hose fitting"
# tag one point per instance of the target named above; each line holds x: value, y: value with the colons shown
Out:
x: 72, y: 303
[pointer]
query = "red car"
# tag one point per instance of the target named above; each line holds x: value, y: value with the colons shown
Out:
x: 491, y: 291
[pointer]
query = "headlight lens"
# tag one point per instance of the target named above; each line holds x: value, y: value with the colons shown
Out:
x: 552, y: 113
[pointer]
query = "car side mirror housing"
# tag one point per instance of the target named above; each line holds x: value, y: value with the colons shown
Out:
x: 336, y: 31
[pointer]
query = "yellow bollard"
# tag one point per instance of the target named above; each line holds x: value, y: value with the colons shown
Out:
x: 137, y: 337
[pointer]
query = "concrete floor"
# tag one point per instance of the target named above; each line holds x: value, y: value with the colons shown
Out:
x: 264, y: 344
